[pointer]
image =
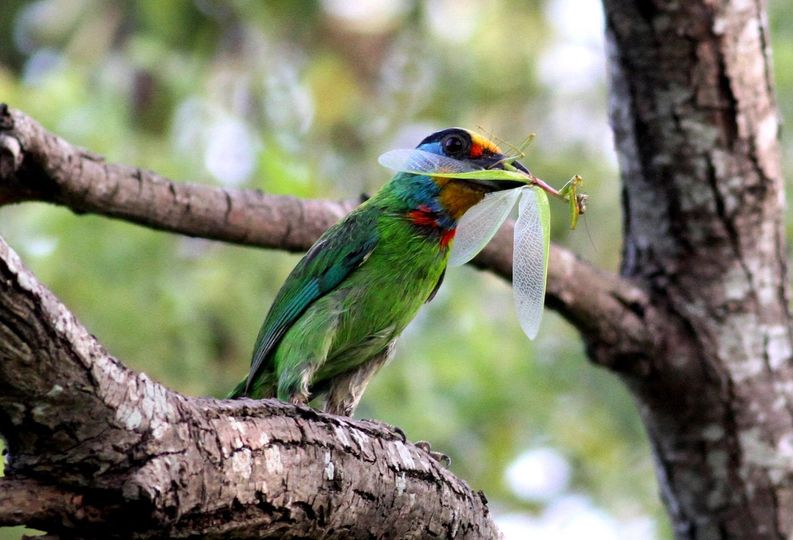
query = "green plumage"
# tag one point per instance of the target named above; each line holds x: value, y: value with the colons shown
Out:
x: 333, y: 323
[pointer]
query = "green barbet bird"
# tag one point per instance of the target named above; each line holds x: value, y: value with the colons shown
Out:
x: 336, y: 319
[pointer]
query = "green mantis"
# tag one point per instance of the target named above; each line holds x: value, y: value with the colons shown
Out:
x: 481, y: 222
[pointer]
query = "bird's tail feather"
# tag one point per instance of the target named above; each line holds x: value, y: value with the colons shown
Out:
x: 239, y: 390
x: 264, y: 387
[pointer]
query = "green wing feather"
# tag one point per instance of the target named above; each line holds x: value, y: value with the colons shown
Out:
x: 342, y: 249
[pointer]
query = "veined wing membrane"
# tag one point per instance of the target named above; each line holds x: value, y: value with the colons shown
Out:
x: 480, y: 223
x: 530, y: 259
x: 421, y: 162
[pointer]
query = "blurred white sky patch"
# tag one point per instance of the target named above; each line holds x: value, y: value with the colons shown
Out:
x: 366, y: 16
x: 575, y: 60
x: 574, y: 517
x: 542, y: 475
x: 39, y: 246
x: 231, y: 151
x: 538, y: 475
x: 453, y: 20
x: 573, y: 67
x: 580, y: 21
x: 229, y: 146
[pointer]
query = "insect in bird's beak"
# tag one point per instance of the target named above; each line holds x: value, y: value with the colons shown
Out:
x: 502, y: 162
x: 567, y: 193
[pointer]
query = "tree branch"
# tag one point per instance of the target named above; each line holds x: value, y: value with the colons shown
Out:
x: 77, y: 421
x: 38, y: 165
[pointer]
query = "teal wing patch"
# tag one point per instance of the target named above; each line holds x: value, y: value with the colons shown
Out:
x: 343, y: 248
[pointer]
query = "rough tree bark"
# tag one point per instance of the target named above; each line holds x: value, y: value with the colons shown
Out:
x: 693, y: 112
x: 697, y: 325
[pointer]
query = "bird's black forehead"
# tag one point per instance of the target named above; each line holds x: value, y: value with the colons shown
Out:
x: 438, y: 135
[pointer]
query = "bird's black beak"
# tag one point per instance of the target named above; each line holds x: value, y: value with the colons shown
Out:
x: 496, y: 161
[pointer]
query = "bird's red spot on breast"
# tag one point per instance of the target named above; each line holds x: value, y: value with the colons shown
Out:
x: 447, y: 237
x: 423, y: 216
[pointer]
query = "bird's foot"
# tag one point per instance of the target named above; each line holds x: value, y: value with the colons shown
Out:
x: 388, y: 427
x: 440, y: 457
x: 299, y: 398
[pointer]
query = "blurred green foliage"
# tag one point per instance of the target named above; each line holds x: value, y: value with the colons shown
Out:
x: 300, y: 98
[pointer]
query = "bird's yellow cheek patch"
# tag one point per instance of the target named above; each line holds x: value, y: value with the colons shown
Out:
x: 480, y: 146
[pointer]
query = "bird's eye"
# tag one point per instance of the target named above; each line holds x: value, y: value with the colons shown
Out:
x: 454, y: 146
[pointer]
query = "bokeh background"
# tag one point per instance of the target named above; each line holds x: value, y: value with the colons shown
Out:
x: 300, y: 97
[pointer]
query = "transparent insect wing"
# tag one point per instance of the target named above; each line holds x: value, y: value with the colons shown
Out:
x: 530, y: 259
x: 421, y: 162
x: 480, y: 223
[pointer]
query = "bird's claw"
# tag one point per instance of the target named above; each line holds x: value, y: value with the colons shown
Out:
x: 440, y: 457
x: 388, y: 427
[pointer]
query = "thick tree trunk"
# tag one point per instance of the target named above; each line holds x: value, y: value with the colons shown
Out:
x: 696, y: 128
